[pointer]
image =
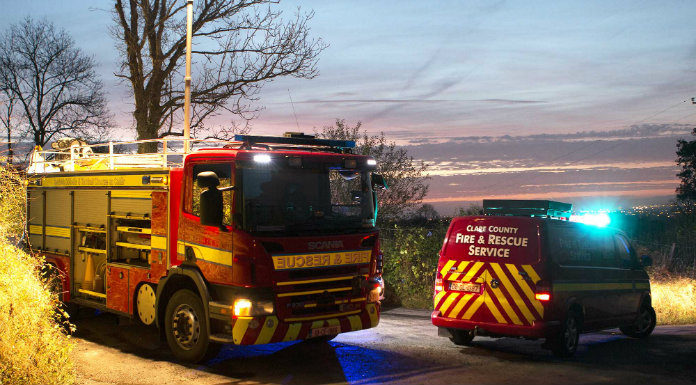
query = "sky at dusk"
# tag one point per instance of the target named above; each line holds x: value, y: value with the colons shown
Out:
x: 577, y: 101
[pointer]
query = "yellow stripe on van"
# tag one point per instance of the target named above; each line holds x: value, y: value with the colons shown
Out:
x: 36, y: 229
x: 447, y: 267
x: 531, y: 273
x: 517, y: 299
x: 474, y: 307
x: 448, y: 302
x: 474, y: 269
x: 527, y: 290
x: 438, y: 297
x: 460, y: 269
x: 460, y: 305
x: 494, y: 309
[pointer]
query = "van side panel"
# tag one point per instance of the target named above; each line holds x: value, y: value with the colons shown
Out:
x: 489, y: 267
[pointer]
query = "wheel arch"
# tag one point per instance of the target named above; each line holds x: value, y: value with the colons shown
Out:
x: 181, y: 277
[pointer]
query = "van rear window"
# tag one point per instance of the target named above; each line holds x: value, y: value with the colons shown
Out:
x: 581, y: 245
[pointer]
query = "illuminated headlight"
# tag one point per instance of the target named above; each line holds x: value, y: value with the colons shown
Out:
x: 376, y: 290
x: 246, y: 308
x: 242, y: 307
x: 371, y: 162
x: 262, y: 158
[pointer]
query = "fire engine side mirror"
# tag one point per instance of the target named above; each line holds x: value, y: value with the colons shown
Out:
x: 378, y: 180
x: 211, y: 199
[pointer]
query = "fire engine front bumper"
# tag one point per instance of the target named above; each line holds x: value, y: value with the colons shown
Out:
x: 539, y: 329
x: 269, y: 329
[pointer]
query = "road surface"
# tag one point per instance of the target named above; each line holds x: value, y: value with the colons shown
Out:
x: 403, y: 349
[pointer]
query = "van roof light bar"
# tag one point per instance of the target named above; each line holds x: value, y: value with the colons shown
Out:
x: 294, y: 139
x: 527, y: 208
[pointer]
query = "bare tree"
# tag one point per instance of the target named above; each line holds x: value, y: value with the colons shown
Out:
x: 238, y: 47
x: 8, y: 119
x: 404, y: 175
x: 54, y: 83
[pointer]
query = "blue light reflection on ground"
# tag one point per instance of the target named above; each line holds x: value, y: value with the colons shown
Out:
x: 360, y: 365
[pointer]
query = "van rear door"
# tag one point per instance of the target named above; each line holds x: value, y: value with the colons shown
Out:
x: 490, y: 266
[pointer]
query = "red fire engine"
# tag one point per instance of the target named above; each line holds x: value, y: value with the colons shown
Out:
x: 260, y: 240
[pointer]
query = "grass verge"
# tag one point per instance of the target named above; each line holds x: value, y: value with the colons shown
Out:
x: 674, y: 300
x: 33, y: 347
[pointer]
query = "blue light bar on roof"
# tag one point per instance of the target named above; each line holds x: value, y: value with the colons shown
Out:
x: 298, y: 141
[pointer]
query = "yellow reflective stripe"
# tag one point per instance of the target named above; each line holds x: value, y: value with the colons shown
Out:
x: 137, y: 194
x: 513, y: 293
x: 36, y: 229
x: 240, y: 327
x: 527, y: 291
x: 474, y: 269
x: 531, y: 273
x: 494, y: 309
x: 293, y: 332
x: 460, y: 305
x: 591, y: 286
x: 438, y: 297
x: 158, y: 242
x: 209, y: 254
x: 321, y: 316
x: 506, y: 306
x: 105, y: 180
x: 474, y: 306
x: 355, y: 322
x: 642, y: 285
x: 60, y: 232
x: 460, y: 268
x: 347, y: 277
x: 447, y: 267
x: 372, y: 312
x: 448, y: 302
x: 266, y: 331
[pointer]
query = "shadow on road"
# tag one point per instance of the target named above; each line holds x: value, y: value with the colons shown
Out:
x: 292, y: 362
x: 661, y: 353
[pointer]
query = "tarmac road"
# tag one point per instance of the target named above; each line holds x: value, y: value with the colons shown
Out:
x: 403, y: 349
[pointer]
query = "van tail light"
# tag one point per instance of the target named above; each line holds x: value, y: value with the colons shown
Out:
x: 542, y: 292
x: 439, y: 286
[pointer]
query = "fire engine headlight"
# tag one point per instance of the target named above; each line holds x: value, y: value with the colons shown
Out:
x: 262, y: 158
x: 376, y: 287
x: 244, y: 307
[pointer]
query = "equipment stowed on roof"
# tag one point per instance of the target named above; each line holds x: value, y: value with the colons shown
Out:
x: 527, y: 208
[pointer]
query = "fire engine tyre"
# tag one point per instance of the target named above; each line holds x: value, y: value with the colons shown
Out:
x: 565, y: 343
x: 186, y: 328
x: 462, y: 337
x: 643, y: 325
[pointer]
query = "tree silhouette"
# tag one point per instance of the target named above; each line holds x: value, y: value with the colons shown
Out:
x: 686, y: 158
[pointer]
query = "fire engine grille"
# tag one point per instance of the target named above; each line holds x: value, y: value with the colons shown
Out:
x: 308, y: 296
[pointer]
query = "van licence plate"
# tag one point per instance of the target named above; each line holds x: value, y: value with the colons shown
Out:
x: 466, y: 286
x: 327, y: 331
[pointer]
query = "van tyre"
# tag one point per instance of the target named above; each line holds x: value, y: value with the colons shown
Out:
x: 643, y: 325
x: 462, y: 337
x: 186, y: 328
x: 565, y: 344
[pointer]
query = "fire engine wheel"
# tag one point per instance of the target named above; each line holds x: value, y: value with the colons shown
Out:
x: 186, y: 328
x: 462, y: 337
x: 643, y: 325
x: 566, y: 342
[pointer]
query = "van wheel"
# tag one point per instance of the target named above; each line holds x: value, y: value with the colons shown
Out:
x: 462, y: 337
x: 186, y: 328
x: 565, y: 344
x: 643, y: 325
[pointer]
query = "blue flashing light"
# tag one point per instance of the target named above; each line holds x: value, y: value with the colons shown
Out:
x: 599, y: 219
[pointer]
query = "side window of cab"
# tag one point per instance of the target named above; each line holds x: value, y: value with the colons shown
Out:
x: 226, y: 177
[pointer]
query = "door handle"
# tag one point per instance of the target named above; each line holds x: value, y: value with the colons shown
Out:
x: 495, y: 283
x: 525, y: 276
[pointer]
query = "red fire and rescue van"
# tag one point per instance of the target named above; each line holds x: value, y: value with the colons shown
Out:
x: 260, y: 240
x: 524, y: 270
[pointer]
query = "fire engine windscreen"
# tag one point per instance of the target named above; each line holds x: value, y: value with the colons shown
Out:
x: 317, y: 198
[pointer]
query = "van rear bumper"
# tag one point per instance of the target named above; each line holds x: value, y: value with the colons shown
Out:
x: 540, y: 329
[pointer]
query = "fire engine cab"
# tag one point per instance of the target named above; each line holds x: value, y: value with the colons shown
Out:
x: 253, y: 241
